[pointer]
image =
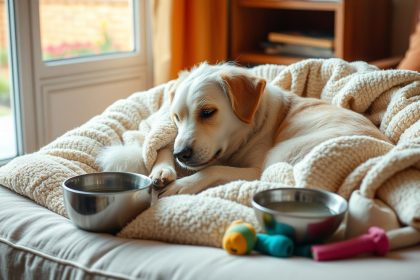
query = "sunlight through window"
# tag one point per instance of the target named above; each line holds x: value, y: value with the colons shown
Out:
x: 81, y: 28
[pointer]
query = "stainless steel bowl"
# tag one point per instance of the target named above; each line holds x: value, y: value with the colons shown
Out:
x: 106, y: 202
x: 305, y: 215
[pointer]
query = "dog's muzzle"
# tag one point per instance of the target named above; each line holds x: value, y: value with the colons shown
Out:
x: 184, y: 155
x: 185, y: 159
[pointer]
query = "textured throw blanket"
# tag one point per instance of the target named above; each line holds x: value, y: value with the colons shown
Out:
x: 383, y: 178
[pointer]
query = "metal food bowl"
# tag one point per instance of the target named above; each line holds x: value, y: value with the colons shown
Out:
x: 107, y: 201
x: 305, y: 215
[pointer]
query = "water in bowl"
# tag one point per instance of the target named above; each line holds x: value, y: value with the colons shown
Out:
x: 298, y: 208
x: 104, y: 189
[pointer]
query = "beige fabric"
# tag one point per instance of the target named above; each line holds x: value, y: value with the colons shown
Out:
x: 38, y: 244
x: 390, y: 173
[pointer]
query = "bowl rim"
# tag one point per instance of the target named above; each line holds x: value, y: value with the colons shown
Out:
x: 259, y: 207
x: 63, y: 184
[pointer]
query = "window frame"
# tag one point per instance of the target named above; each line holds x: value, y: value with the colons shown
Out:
x: 14, y: 89
x: 32, y: 70
x: 89, y: 63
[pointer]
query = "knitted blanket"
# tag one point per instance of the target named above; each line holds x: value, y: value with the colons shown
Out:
x: 379, y: 171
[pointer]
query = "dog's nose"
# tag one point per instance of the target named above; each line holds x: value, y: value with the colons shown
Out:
x: 185, y: 154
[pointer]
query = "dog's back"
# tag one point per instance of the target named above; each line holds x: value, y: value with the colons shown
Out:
x: 310, y: 122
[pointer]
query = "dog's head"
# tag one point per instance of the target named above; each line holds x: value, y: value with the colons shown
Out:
x: 213, y: 106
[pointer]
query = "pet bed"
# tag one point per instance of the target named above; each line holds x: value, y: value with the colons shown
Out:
x: 384, y: 177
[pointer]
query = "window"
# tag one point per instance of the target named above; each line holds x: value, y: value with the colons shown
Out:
x: 80, y: 28
x: 8, y: 135
x: 58, y: 57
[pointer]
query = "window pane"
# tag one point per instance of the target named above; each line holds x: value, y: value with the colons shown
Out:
x: 77, y: 28
x: 8, y: 145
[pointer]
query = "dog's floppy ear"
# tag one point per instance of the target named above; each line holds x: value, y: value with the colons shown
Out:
x: 245, y: 92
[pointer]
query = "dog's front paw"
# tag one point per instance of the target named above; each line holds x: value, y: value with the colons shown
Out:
x: 171, y: 189
x: 186, y: 185
x: 162, y: 175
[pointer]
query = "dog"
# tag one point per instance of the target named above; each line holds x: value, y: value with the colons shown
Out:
x: 232, y: 125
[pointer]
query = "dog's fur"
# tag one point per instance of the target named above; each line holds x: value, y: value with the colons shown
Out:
x: 232, y: 125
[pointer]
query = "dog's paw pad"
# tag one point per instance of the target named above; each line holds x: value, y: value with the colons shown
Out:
x: 160, y: 183
x: 162, y: 176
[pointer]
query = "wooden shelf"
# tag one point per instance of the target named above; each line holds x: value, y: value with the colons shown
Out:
x: 291, y: 4
x: 360, y: 27
x: 262, y: 58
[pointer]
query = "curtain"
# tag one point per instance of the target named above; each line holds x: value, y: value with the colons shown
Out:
x: 187, y: 32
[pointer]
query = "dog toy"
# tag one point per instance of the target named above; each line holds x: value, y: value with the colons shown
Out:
x: 375, y: 241
x: 241, y: 238
x: 274, y: 245
x: 304, y: 250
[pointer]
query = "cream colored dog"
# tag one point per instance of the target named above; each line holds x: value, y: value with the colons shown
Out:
x: 232, y: 125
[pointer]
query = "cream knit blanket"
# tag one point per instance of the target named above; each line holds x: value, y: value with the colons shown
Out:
x: 389, y: 173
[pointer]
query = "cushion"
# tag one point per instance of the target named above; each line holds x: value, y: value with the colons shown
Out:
x: 36, y: 243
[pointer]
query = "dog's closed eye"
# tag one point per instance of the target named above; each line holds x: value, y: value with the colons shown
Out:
x: 207, y: 113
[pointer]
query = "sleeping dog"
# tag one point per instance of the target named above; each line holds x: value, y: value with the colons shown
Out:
x: 232, y: 125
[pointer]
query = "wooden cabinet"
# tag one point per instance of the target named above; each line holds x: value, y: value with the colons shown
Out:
x: 360, y: 28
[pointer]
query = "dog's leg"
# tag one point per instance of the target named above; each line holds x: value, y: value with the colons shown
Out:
x: 163, y: 171
x: 210, y: 177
